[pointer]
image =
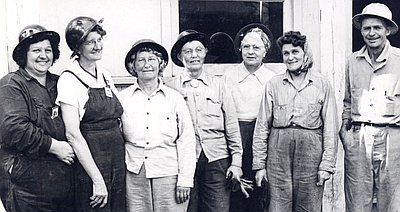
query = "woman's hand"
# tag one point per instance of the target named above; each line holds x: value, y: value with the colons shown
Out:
x: 62, y: 150
x: 182, y: 194
x: 322, y: 177
x: 260, y: 175
x: 100, y: 194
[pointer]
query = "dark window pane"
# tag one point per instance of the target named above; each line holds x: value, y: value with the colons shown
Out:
x: 230, y: 16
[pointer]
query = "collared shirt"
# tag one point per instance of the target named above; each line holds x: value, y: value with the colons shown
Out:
x: 71, y: 91
x: 247, y: 89
x: 372, y: 93
x: 28, y: 116
x: 159, y: 133
x: 310, y: 106
x: 214, y: 116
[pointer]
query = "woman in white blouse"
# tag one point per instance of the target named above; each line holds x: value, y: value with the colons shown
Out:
x: 90, y: 112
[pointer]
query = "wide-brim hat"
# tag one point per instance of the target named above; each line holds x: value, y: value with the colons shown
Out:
x: 376, y: 10
x: 142, y: 44
x: 243, y: 31
x: 32, y: 34
x: 183, y: 38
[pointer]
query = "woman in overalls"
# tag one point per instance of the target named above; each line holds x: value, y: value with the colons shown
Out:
x: 91, y: 111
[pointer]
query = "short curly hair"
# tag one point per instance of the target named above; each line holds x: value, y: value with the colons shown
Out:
x: 21, y: 59
x: 292, y: 37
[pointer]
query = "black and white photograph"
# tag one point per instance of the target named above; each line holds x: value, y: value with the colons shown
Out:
x: 199, y: 106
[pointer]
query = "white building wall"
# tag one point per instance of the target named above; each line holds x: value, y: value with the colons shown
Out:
x: 327, y: 25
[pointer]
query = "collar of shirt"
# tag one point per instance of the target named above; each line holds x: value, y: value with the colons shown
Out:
x: 260, y: 73
x: 363, y: 52
x: 135, y: 87
x: 309, y: 77
x: 88, y: 78
x: 203, y: 77
x: 51, y: 79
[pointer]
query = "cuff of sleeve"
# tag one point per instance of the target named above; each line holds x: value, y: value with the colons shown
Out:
x: 326, y: 167
x: 44, y: 148
x: 258, y: 167
x: 185, y: 181
x: 237, y: 160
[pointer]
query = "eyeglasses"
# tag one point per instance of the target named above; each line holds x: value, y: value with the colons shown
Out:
x: 198, y: 50
x: 93, y: 42
x: 248, y: 47
x: 151, y: 60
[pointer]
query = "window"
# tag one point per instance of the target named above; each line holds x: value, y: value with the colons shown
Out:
x: 229, y: 17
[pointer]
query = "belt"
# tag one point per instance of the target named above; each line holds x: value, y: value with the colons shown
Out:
x: 356, y: 123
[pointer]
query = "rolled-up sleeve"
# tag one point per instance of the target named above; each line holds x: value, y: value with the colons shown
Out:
x: 262, y: 129
x: 186, y: 145
x: 17, y: 128
x: 232, y: 131
x: 330, y: 131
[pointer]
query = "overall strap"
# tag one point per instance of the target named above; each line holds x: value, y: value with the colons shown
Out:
x: 77, y: 78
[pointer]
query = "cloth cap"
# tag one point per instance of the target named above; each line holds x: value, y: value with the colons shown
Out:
x: 376, y: 10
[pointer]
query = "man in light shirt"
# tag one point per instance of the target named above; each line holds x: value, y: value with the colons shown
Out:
x: 247, y: 84
x: 160, y: 141
x: 370, y: 130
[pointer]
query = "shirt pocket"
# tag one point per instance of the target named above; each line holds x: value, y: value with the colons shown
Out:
x: 314, y: 114
x: 214, y: 116
x: 280, y: 115
x: 169, y: 128
x: 44, y: 118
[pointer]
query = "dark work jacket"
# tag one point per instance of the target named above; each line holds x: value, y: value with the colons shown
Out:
x: 26, y: 122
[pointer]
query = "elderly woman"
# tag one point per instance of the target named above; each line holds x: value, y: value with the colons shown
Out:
x: 295, y: 138
x: 160, y: 142
x: 218, y: 145
x: 91, y: 111
x: 31, y: 128
x: 247, y: 82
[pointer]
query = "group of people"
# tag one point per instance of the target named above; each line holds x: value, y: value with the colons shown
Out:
x: 251, y: 140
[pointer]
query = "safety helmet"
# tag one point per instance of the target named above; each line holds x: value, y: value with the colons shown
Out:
x: 77, y: 31
x: 31, y: 34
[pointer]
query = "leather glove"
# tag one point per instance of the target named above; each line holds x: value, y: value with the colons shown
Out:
x: 263, y: 194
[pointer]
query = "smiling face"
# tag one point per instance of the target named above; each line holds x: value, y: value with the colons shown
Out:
x: 253, y: 49
x: 374, y: 32
x: 91, y: 49
x: 39, y: 58
x: 293, y: 56
x: 147, y: 66
x: 192, y: 55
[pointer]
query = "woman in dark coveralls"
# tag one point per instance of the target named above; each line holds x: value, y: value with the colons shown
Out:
x: 31, y: 128
x: 91, y: 111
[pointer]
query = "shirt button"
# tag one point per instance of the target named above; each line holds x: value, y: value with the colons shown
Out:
x: 148, y: 99
x: 148, y: 113
x: 167, y: 118
x: 147, y: 143
x: 371, y: 105
x: 372, y: 88
x: 147, y: 127
x: 145, y: 157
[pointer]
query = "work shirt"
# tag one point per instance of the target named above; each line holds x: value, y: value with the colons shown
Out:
x: 28, y: 115
x: 159, y: 133
x: 214, y: 116
x: 247, y: 89
x: 372, y: 94
x: 310, y: 106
